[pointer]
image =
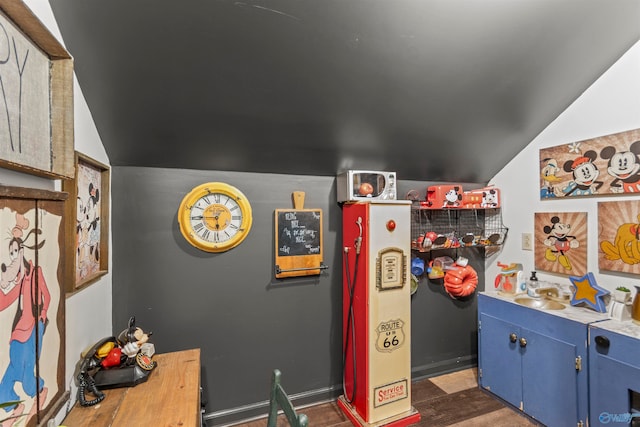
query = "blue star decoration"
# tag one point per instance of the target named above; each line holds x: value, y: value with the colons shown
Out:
x: 587, y: 291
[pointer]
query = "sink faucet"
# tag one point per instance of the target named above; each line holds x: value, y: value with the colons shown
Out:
x: 547, y: 292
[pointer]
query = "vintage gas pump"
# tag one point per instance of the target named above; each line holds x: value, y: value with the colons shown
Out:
x: 377, y: 313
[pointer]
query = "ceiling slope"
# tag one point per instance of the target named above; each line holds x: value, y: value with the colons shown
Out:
x: 445, y: 90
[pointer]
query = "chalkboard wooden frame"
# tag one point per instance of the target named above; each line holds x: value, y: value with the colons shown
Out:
x: 298, y: 242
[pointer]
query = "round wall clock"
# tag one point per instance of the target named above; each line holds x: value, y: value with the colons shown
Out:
x: 215, y: 217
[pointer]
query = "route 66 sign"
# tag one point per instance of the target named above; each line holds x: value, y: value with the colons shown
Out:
x: 390, y: 335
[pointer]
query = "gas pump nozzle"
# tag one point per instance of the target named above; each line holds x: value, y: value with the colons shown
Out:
x: 358, y: 243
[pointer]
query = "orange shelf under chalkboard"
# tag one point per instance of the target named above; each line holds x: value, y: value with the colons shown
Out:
x: 298, y: 238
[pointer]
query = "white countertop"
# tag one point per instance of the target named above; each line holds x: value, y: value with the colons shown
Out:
x: 579, y: 314
x: 627, y: 327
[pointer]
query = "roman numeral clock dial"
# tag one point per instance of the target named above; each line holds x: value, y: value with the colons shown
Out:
x: 215, y: 217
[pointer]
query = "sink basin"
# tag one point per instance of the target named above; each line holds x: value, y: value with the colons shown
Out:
x: 540, y: 303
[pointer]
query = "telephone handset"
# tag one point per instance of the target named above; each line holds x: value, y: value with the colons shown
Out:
x: 114, y: 362
x: 88, y: 366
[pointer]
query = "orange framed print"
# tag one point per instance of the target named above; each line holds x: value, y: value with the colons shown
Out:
x: 36, y: 123
x: 619, y: 236
x: 560, y: 242
x: 606, y: 165
x: 88, y: 217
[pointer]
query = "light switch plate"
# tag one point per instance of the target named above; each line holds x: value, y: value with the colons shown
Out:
x: 527, y: 242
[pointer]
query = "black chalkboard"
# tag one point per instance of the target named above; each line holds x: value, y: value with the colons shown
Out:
x: 299, y: 232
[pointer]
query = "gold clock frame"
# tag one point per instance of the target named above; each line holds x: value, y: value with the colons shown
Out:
x: 212, y: 188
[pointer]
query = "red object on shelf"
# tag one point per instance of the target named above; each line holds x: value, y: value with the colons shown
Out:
x: 444, y: 196
x: 487, y: 197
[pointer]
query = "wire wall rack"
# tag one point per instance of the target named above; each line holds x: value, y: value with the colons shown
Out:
x: 455, y: 228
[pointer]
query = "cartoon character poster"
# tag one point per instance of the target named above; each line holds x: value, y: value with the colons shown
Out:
x: 604, y: 165
x: 560, y: 242
x: 89, y: 207
x: 31, y: 309
x: 619, y: 236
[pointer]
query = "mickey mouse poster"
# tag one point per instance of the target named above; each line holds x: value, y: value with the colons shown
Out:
x: 560, y: 242
x: 606, y: 165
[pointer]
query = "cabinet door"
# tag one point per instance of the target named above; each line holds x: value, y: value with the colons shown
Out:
x: 500, y: 359
x: 549, y: 380
x: 614, y: 378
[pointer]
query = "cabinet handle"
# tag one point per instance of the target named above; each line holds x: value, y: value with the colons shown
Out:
x: 523, y: 342
x: 513, y: 337
x: 602, y: 341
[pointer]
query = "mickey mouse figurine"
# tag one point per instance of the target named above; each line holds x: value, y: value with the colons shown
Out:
x: 133, y: 342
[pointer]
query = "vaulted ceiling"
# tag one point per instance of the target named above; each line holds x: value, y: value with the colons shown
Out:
x: 445, y: 90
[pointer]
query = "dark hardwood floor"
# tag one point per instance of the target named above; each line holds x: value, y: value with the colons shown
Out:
x: 449, y: 400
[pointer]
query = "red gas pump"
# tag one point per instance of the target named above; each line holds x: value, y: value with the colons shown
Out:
x: 377, y: 313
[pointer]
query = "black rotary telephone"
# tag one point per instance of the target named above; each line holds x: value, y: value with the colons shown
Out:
x: 93, y: 376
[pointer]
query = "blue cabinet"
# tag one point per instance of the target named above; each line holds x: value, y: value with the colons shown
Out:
x: 534, y: 360
x: 614, y: 374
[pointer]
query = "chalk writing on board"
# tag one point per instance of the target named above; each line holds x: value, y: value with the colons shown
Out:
x: 299, y: 233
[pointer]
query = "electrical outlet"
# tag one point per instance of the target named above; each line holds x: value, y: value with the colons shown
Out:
x: 527, y: 242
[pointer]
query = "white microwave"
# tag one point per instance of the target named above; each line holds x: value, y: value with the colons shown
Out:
x: 358, y: 185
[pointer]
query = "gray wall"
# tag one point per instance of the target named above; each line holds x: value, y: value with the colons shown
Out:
x: 231, y: 306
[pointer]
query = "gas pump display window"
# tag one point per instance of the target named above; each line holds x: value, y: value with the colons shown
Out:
x: 391, y: 269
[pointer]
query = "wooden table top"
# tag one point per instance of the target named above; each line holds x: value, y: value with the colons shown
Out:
x: 170, y: 397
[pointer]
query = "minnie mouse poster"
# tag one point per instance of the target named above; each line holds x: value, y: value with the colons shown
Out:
x: 89, y: 200
x: 88, y: 231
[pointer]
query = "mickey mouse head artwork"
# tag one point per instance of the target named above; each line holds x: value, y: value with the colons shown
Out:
x: 585, y: 173
x: 624, y: 167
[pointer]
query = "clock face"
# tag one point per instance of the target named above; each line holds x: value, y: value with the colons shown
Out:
x: 215, y: 217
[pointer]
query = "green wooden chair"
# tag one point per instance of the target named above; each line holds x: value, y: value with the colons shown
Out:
x: 279, y: 399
